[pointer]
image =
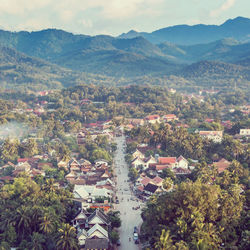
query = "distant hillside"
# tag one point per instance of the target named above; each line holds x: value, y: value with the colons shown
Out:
x: 19, y: 70
x: 225, y: 50
x: 45, y: 44
x: 215, y: 69
x: 54, y: 58
x: 238, y: 28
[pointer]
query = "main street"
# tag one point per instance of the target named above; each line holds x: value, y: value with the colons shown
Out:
x: 129, y: 217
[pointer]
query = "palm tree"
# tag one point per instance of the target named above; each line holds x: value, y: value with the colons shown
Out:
x: 37, y: 241
x: 46, y: 224
x: 67, y: 238
x: 165, y: 241
x: 23, y: 220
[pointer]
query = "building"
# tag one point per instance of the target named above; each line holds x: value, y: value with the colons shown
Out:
x: 215, y: 136
x: 245, y: 132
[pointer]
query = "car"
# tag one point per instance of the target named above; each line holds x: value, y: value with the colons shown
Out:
x: 117, y: 202
x: 135, y: 229
x: 135, y: 236
x: 118, y: 243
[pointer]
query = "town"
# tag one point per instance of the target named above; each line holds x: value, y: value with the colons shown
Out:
x: 112, y: 169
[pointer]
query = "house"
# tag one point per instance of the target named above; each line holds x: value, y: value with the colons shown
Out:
x: 74, y: 165
x: 138, y: 154
x: 70, y: 176
x: 182, y: 162
x: 221, y: 165
x: 215, y: 136
x: 138, y: 162
x: 98, y: 218
x: 82, y: 236
x: 96, y: 244
x: 63, y: 164
x: 92, y: 229
x: 152, y: 119
x: 150, y: 189
x: 97, y: 232
x: 148, y: 161
x: 136, y: 122
x: 169, y: 118
x: 245, y: 132
x: 161, y: 167
x: 108, y: 184
x: 157, y: 181
x: 90, y: 192
x: 80, y: 219
x: 101, y: 162
x: 171, y: 161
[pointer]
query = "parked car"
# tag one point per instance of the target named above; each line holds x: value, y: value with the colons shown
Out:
x: 135, y: 229
x: 118, y: 243
x: 135, y: 236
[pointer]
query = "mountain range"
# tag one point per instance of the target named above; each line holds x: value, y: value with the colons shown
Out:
x: 57, y: 58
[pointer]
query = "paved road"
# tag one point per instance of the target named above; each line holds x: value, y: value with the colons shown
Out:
x: 129, y: 217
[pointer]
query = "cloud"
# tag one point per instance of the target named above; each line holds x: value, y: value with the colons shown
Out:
x: 225, y: 6
x: 17, y: 7
x: 86, y: 23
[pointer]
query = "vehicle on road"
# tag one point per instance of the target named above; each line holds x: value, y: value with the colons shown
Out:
x: 118, y: 243
x: 135, y: 229
x: 135, y: 236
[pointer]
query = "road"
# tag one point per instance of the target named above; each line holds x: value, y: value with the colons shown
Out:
x: 129, y: 217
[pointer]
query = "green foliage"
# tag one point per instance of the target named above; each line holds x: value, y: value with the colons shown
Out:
x: 114, y: 237
x: 195, y: 213
x: 114, y: 218
x: 40, y: 211
x: 133, y: 174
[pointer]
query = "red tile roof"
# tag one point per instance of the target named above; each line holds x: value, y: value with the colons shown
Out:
x: 169, y: 116
x: 152, y: 117
x: 157, y: 180
x: 166, y: 160
x: 22, y: 159
x: 222, y: 164
x: 161, y: 167
x: 145, y: 181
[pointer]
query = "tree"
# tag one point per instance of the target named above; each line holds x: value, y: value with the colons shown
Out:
x: 46, y: 224
x: 67, y: 238
x: 36, y: 242
x: 200, y: 214
x: 114, y: 219
x: 9, y: 150
x: 165, y: 241
x: 167, y: 183
x: 114, y: 237
x: 133, y: 174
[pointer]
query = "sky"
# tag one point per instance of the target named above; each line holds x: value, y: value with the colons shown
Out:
x: 113, y: 17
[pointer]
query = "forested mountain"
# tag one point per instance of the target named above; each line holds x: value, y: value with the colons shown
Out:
x: 20, y: 70
x: 37, y: 58
x: 237, y: 28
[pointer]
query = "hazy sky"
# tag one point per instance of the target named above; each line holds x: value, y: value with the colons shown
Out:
x: 115, y: 16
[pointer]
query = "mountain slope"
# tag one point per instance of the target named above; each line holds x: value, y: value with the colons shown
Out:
x: 225, y: 50
x: 19, y: 70
x: 215, y: 70
x: 238, y: 28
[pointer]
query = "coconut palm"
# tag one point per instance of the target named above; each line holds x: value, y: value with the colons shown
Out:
x: 46, y: 224
x: 165, y: 241
x: 67, y: 238
x: 37, y: 241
